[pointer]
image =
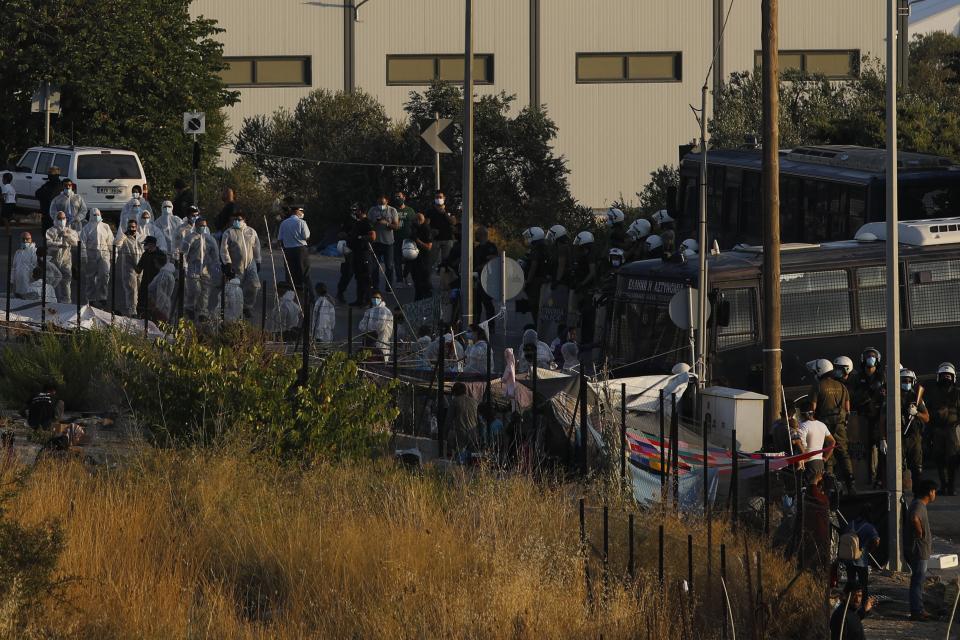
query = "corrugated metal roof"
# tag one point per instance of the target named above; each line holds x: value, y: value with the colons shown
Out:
x: 928, y: 8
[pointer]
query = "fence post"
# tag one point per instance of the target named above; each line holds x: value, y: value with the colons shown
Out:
x: 761, y: 608
x: 43, y: 293
x: 630, y: 561
x: 583, y: 422
x: 663, y: 456
x: 263, y: 307
x: 223, y: 299
x: 660, y: 554
x: 489, y: 373
x: 766, y: 497
x: 181, y: 290
x: 441, y: 411
x: 623, y: 430
x: 350, y: 332
x: 675, y: 438
x: 723, y: 576
x: 583, y: 549
x: 9, y: 278
x: 690, y: 561
x: 307, y: 309
x: 79, y: 279
x: 396, y: 350
x: 734, y: 482
x: 113, y: 282
x: 706, y: 503
x: 534, y: 371
x: 606, y: 549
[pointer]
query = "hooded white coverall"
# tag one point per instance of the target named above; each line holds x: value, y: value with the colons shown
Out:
x: 240, y: 250
x: 96, y: 241
x: 233, y: 309
x: 161, y: 292
x: 127, y: 283
x: 24, y: 262
x: 379, y: 322
x: 202, y: 258
x: 60, y: 246
x: 324, y: 319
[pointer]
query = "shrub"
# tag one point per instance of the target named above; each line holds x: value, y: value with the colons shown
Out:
x: 189, y: 390
x: 76, y: 362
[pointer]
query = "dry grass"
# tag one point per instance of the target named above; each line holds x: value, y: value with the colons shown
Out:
x: 219, y: 546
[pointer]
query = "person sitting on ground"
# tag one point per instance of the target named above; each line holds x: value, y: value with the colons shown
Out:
x: 290, y: 319
x: 852, y: 610
x: 453, y: 354
x: 45, y: 409
x: 324, y: 315
x: 531, y: 350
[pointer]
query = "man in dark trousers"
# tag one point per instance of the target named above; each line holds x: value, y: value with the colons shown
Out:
x: 849, y: 615
x: 420, y: 269
x: 360, y: 240
x: 46, y: 193
x: 148, y: 267
x: 442, y: 226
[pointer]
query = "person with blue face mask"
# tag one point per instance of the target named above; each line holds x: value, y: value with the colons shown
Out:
x: 377, y: 323
x: 240, y: 254
x: 61, y: 241
x: 868, y: 399
x: 95, y: 241
x: 132, y: 209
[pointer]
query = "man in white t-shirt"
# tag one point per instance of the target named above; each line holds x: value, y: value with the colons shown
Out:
x: 814, y: 436
x: 9, y: 200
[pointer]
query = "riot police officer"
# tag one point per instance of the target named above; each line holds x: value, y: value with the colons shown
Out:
x: 617, y: 234
x: 869, y: 401
x: 831, y: 405
x: 913, y: 416
x: 537, y: 267
x: 943, y: 403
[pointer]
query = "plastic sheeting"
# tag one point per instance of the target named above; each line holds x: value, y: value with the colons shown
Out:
x: 64, y: 316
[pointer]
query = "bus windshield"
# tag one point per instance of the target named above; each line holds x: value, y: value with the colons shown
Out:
x: 929, y: 199
x: 641, y: 331
x: 108, y: 167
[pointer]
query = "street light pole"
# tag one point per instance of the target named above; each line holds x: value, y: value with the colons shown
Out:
x: 466, y: 224
x: 700, y: 364
x: 894, y: 479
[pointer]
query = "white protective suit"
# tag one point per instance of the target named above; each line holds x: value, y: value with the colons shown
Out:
x: 379, y: 322
x: 180, y: 238
x: 324, y: 319
x: 168, y: 225
x: 240, y: 249
x: 148, y: 227
x: 127, y: 281
x: 452, y: 356
x: 72, y: 205
x: 161, y: 291
x: 96, y: 241
x: 544, y: 355
x: 290, y: 315
x: 60, y: 248
x: 477, y: 358
x: 571, y: 357
x: 24, y: 262
x: 233, y: 309
x: 132, y: 210
x: 202, y: 258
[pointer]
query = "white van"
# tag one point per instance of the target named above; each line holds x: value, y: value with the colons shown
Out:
x: 104, y: 177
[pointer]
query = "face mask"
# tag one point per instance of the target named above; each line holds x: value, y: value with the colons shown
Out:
x: 204, y: 230
x: 146, y: 221
x: 167, y: 210
x: 400, y: 201
x: 61, y: 223
x: 945, y: 382
x: 237, y: 224
x: 67, y: 191
x: 136, y: 194
x: 26, y: 245
x: 383, y: 207
x: 871, y: 361
x: 438, y: 202
x: 471, y: 336
x: 376, y: 302
x: 98, y: 218
x: 838, y: 373
x: 906, y: 386
x: 300, y: 215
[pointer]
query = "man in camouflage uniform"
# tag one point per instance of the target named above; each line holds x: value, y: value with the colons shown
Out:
x: 831, y: 405
x: 943, y: 402
x: 913, y: 416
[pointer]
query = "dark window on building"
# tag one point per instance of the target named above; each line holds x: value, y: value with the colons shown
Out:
x: 425, y: 69
x: 834, y: 64
x: 267, y: 72
x: 629, y: 67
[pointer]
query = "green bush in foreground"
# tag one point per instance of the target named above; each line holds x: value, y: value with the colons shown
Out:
x: 188, y: 391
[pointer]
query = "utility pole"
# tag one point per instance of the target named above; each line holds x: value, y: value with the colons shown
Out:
x: 700, y: 357
x: 771, y: 210
x: 466, y: 224
x: 436, y: 157
x: 894, y: 479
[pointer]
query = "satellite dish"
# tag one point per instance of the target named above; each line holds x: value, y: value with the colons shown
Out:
x: 490, y: 278
x: 684, y: 308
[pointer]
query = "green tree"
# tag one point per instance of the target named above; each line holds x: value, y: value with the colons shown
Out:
x: 128, y: 70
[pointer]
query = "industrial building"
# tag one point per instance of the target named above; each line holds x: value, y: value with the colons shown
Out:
x: 617, y: 76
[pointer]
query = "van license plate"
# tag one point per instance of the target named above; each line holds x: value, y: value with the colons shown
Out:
x: 109, y: 190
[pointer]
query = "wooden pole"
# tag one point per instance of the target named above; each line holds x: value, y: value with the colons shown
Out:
x: 771, y: 211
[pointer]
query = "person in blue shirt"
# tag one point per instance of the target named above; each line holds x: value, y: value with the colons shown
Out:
x: 858, y: 571
x: 293, y: 236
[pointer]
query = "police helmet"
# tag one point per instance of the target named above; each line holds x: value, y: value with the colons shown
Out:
x: 616, y: 257
x: 639, y: 229
x: 556, y: 232
x: 947, y: 368
x: 653, y: 242
x: 690, y: 245
x: 820, y: 366
x: 342, y: 248
x: 908, y: 374
x: 661, y: 217
x: 533, y: 234
x: 866, y: 353
x: 614, y: 216
x: 843, y: 362
x: 584, y: 237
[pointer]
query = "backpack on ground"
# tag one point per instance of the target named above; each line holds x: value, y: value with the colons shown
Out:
x: 848, y: 547
x: 40, y: 412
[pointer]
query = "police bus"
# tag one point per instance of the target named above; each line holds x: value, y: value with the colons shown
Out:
x: 826, y: 192
x: 833, y: 302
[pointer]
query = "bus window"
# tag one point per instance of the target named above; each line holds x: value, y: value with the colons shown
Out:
x: 921, y: 201
x: 814, y: 303
x: 871, y: 297
x: 741, y: 329
x: 791, y: 208
x: 934, y: 291
x: 858, y: 209
x: 750, y: 212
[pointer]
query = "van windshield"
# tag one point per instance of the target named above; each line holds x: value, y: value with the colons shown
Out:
x: 641, y: 332
x: 107, y: 167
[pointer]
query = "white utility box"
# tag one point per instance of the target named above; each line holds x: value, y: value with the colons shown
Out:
x: 726, y: 409
x: 942, y: 561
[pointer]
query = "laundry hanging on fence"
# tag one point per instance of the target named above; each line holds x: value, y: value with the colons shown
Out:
x: 648, y: 488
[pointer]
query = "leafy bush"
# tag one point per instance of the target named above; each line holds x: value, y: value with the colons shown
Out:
x: 76, y: 362
x: 189, y: 391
